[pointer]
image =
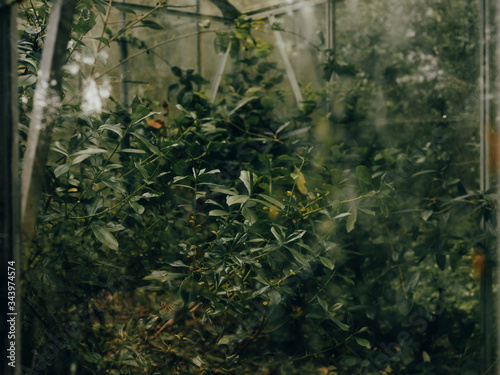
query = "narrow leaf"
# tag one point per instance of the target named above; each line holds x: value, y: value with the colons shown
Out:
x: 241, y: 104
x: 363, y: 342
x: 103, y: 40
x: 344, y: 327
x: 351, y: 220
x: 235, y: 199
x: 278, y: 237
x: 60, y: 170
x: 152, y: 25
x: 363, y: 175
x: 218, y: 213
x: 248, y: 179
x: 272, y: 200
x: 328, y: 263
x: 155, y: 150
x: 105, y: 237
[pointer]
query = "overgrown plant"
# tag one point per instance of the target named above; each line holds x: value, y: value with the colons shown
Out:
x: 241, y: 237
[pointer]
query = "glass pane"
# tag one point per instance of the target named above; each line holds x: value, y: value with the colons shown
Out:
x: 268, y: 187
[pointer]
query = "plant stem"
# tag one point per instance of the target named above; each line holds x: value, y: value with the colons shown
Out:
x: 104, y: 25
x: 173, y: 39
x: 129, y: 26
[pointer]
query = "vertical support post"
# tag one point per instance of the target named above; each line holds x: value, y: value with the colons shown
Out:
x: 484, y: 108
x: 330, y: 26
x: 219, y: 74
x: 485, y: 120
x: 124, y: 66
x: 10, y: 214
x: 496, y: 162
x: 331, y: 44
x: 199, y: 37
x: 288, y: 66
x: 45, y: 102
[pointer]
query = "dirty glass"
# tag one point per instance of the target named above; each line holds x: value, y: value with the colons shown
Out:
x: 262, y: 187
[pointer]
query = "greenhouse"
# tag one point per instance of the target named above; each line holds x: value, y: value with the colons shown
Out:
x: 249, y: 187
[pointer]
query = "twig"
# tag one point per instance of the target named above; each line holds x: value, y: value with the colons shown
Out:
x: 155, y: 46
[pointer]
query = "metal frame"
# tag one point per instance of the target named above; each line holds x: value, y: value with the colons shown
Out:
x: 271, y: 13
x: 487, y: 174
x: 45, y: 103
x: 10, y: 215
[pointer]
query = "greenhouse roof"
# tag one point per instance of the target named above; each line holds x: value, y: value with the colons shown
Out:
x: 226, y: 9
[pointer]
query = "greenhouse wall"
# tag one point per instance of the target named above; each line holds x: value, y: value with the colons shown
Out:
x: 253, y: 187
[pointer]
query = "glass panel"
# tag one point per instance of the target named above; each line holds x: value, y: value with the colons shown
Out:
x: 310, y: 187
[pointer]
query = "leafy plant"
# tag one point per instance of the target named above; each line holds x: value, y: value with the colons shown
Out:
x: 263, y: 239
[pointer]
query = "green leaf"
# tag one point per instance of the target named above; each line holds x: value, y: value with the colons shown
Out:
x: 363, y: 342
x: 123, y: 8
x: 249, y: 215
x: 363, y: 174
x: 155, y: 150
x: 298, y: 257
x: 272, y: 200
x: 425, y: 215
x: 84, y: 154
x: 140, y: 113
x: 60, y: 170
x: 384, y: 209
x: 231, y: 339
x: 178, y: 263
x: 114, y: 227
x: 151, y: 25
x: 328, y: 263
x: 213, y: 171
x: 248, y: 179
x: 27, y: 80
x: 198, y: 361
x: 90, y: 151
x: 274, y: 296
x: 137, y: 207
x: 368, y: 212
x: 116, y: 128
x: 344, y: 327
x: 235, y: 199
x: 58, y: 147
x: 342, y: 215
x: 412, y: 283
x: 218, y: 213
x: 276, y: 235
x: 241, y: 103
x: 103, y: 40
x: 105, y: 237
x: 92, y: 357
x: 173, y: 89
x: 261, y: 279
x: 141, y: 169
x: 163, y: 276
x: 295, y: 236
x: 133, y: 151
x: 351, y: 220
x: 177, y: 71
x: 188, y: 289
x: 441, y: 260
x: 322, y: 303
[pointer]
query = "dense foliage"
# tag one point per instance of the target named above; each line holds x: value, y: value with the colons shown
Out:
x: 241, y: 236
